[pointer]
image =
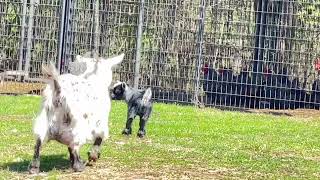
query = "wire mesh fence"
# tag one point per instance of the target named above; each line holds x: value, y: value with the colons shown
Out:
x: 28, y: 37
x: 222, y: 53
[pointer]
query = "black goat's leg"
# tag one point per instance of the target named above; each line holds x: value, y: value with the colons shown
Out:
x: 142, y: 128
x: 128, y: 129
x: 132, y: 112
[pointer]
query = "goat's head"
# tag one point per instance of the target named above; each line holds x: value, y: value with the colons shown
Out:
x: 100, y: 68
x: 118, y: 90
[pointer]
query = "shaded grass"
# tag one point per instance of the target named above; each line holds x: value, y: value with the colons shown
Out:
x: 181, y: 141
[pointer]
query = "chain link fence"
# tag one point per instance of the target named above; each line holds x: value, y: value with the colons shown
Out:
x: 222, y: 53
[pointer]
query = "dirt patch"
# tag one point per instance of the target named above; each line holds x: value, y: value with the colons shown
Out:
x: 9, y: 87
x: 299, y: 113
x: 109, y: 170
x: 304, y: 114
x: 15, y: 117
x: 166, y: 172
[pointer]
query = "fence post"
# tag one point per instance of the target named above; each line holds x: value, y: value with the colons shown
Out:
x: 23, y: 25
x: 67, y: 36
x: 29, y: 38
x: 97, y: 26
x: 199, y: 50
x: 139, y: 43
x: 62, y: 35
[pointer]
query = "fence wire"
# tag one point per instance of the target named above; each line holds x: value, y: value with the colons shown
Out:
x: 222, y: 53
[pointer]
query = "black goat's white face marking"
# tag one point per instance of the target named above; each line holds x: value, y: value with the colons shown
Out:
x: 118, y: 90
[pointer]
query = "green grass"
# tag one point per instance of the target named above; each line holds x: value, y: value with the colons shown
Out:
x: 181, y: 142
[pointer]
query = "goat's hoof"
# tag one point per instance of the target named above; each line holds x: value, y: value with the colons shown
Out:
x: 78, y: 167
x: 34, y: 167
x: 126, y: 132
x: 34, y: 170
x: 141, y: 134
x: 93, y: 156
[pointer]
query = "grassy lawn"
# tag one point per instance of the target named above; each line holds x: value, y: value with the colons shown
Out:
x: 181, y: 142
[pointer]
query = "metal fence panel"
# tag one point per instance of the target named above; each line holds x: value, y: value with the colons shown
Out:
x: 240, y: 54
x: 28, y: 37
x: 117, y: 22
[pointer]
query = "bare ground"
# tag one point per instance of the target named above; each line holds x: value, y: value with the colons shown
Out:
x: 11, y: 87
x: 107, y: 170
x: 303, y: 114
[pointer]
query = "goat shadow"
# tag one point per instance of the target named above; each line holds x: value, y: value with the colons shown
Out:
x: 47, y: 163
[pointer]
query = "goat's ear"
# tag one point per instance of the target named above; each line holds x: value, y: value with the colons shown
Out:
x: 115, y: 60
x: 123, y: 85
x: 50, y: 70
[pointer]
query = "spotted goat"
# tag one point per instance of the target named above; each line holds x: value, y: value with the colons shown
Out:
x: 75, y: 110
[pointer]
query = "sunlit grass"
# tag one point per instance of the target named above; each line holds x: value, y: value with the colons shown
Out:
x: 181, y: 141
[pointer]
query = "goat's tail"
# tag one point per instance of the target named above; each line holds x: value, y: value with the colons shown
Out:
x: 147, y: 96
x: 52, y: 74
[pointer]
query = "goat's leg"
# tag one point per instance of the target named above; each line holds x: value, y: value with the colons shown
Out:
x: 94, y: 153
x: 71, y: 156
x: 143, y: 122
x: 77, y: 164
x: 128, y: 129
x: 34, y: 166
x: 132, y: 112
x: 142, y: 129
x: 41, y: 130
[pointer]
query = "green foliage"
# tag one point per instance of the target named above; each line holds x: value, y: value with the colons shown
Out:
x: 149, y: 42
x: 11, y: 31
x: 38, y: 47
x: 11, y: 13
x: 309, y: 12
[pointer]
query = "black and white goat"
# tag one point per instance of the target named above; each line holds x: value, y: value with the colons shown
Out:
x: 75, y: 110
x: 139, y: 104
